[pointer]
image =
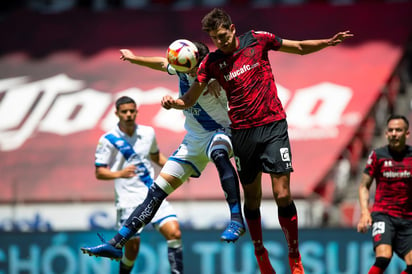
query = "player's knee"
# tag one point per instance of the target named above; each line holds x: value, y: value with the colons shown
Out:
x: 174, y: 234
x: 283, y: 200
x: 219, y: 154
x: 382, y: 262
x: 177, y: 235
x: 221, y: 159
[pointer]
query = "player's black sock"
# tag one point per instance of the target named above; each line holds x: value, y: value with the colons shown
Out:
x: 175, y: 256
x: 141, y: 216
x: 124, y: 269
x: 382, y: 262
x: 251, y: 214
x: 230, y: 183
x: 287, y: 211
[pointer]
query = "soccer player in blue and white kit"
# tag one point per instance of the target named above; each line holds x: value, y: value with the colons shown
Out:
x: 124, y: 154
x: 207, y: 139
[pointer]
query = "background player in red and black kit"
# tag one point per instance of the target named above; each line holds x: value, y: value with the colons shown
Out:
x: 259, y: 129
x: 391, y: 218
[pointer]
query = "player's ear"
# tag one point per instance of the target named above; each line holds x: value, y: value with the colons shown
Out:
x: 232, y: 28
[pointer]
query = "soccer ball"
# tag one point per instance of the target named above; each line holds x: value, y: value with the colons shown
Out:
x: 182, y: 55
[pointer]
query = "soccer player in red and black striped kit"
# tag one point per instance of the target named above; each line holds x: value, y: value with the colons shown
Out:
x: 258, y: 120
x: 391, y: 218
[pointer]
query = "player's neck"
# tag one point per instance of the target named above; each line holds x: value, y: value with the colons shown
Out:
x: 397, y: 149
x: 129, y: 130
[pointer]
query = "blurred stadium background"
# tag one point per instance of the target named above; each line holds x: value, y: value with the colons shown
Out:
x: 60, y: 74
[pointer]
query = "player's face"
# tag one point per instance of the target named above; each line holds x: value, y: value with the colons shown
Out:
x: 224, y: 39
x: 397, y: 133
x: 127, y: 114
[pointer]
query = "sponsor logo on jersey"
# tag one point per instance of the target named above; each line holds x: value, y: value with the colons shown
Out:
x: 236, y: 73
x: 397, y: 174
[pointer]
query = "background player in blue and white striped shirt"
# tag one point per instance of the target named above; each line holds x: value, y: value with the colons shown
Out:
x: 124, y: 154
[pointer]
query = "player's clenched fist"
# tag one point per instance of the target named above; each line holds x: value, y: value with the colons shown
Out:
x: 168, y: 102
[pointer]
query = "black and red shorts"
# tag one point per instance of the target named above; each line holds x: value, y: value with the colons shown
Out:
x: 393, y: 231
x: 262, y: 149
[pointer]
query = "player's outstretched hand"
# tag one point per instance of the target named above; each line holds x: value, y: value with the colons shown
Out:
x: 167, y: 102
x: 126, y: 54
x: 339, y: 37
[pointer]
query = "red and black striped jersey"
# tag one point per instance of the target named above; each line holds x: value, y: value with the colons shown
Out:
x: 393, y: 176
x: 247, y: 77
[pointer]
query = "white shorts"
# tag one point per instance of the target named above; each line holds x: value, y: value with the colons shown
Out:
x: 195, y: 153
x: 164, y: 214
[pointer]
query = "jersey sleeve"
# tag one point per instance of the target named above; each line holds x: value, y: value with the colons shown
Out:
x: 171, y: 70
x: 272, y: 42
x: 154, y: 149
x: 202, y: 74
x: 371, y: 164
x: 104, y: 153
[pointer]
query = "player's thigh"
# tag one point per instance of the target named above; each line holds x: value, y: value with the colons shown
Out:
x: 175, y: 173
x: 403, y: 239
x: 276, y: 156
x: 192, y: 154
x: 253, y: 193
x: 246, y: 153
x: 383, y: 232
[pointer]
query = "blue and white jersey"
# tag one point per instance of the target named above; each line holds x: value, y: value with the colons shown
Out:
x: 208, y: 114
x: 113, y: 152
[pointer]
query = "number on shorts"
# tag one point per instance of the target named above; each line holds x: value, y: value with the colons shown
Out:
x: 378, y: 228
x: 237, y: 161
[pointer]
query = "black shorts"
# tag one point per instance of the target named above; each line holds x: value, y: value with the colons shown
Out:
x: 393, y: 231
x: 262, y: 149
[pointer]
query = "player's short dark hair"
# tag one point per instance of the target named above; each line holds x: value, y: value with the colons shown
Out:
x: 215, y: 19
x: 124, y: 100
x: 202, y: 49
x: 398, y: 116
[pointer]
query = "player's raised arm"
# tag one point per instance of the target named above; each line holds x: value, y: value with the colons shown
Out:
x: 187, y: 100
x: 153, y: 62
x: 309, y: 46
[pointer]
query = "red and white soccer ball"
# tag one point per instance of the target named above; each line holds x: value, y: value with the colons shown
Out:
x: 182, y: 55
